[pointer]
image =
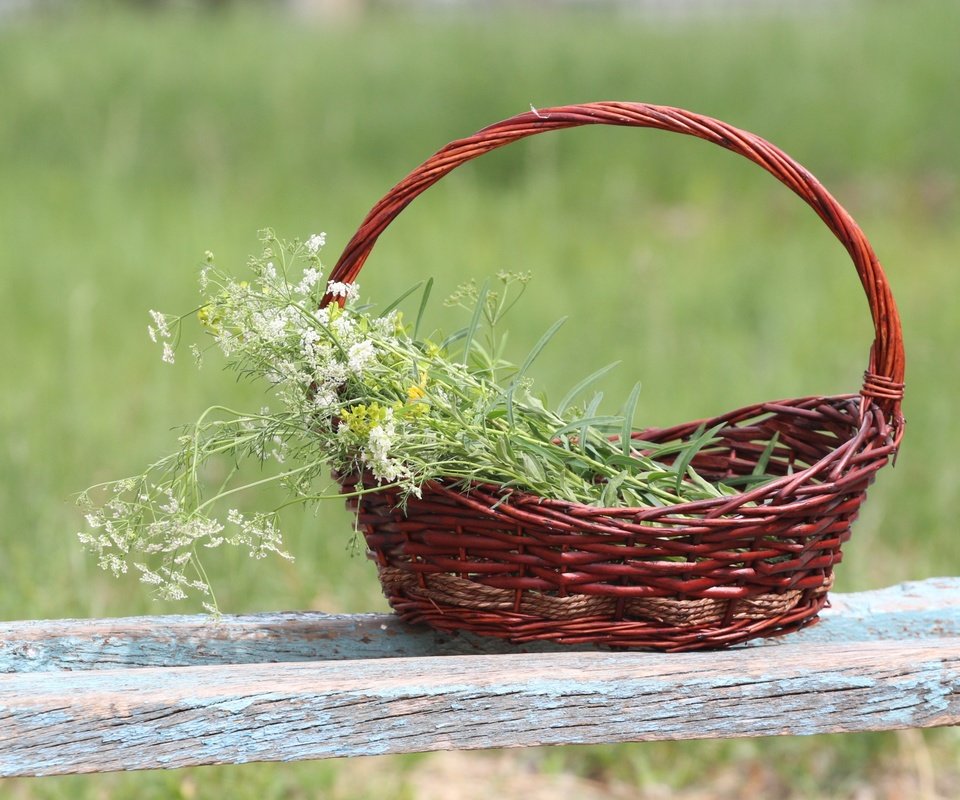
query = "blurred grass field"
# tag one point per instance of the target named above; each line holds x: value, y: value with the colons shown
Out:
x: 130, y: 143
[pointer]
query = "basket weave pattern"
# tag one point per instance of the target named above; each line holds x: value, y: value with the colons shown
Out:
x: 701, y: 574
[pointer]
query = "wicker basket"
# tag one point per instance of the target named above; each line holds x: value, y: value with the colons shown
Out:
x: 529, y: 568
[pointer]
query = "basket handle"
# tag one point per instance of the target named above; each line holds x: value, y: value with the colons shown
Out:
x: 883, y: 380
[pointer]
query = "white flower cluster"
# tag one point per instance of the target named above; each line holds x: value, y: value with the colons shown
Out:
x: 162, y: 330
x: 259, y: 533
x: 324, y: 365
x: 118, y: 530
x: 315, y: 242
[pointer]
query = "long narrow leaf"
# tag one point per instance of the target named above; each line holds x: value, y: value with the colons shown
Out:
x: 701, y: 439
x: 475, y: 320
x: 629, y: 410
x: 584, y: 425
x: 401, y: 298
x: 453, y: 338
x: 636, y: 465
x: 609, y: 497
x: 761, y: 466
x: 531, y: 357
x: 585, y: 422
x: 423, y: 305
x: 591, y: 378
x: 538, y: 347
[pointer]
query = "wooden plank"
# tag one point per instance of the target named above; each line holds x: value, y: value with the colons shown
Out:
x: 910, y: 611
x: 97, y: 720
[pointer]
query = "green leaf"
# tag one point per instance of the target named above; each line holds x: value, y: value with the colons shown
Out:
x: 701, y: 439
x: 708, y: 489
x: 629, y: 411
x: 610, y: 497
x: 761, y: 467
x: 423, y: 305
x: 531, y: 357
x: 401, y: 298
x: 475, y: 320
x: 533, y: 468
x: 453, y: 338
x: 538, y: 347
x: 591, y: 411
x: 635, y: 464
x: 591, y: 378
x: 602, y: 421
x: 502, y: 450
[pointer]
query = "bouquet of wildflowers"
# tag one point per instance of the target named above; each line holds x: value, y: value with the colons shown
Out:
x: 357, y: 390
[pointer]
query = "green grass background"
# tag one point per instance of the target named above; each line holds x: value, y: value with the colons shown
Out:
x: 130, y: 143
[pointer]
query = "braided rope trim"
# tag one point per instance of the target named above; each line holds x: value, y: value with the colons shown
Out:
x: 451, y: 590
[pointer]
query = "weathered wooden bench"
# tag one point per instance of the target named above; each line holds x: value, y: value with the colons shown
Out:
x: 139, y: 693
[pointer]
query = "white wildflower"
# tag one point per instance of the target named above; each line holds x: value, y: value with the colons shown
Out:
x: 160, y: 320
x: 270, y: 324
x: 168, y: 357
x: 386, y: 325
x: 310, y: 278
x: 258, y: 532
x: 152, y: 333
x: 227, y: 342
x: 270, y: 272
x: 171, y: 591
x: 344, y: 327
x: 338, y: 289
x: 331, y: 373
x: 315, y: 242
x: 360, y: 355
x: 148, y: 575
x: 113, y: 563
x: 279, y: 452
x: 326, y: 398
x: 380, y: 441
x: 308, y: 340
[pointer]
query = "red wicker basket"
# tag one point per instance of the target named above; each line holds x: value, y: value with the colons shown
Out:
x: 532, y: 568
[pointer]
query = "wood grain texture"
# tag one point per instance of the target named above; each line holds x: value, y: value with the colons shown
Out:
x: 914, y: 610
x: 63, y: 722
x: 360, y: 693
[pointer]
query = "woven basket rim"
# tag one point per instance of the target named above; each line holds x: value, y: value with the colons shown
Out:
x: 874, y: 435
x: 883, y: 382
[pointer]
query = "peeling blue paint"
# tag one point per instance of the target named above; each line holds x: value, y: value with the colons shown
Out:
x: 910, y: 611
x: 63, y: 720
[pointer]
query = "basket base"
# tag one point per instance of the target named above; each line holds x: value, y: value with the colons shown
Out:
x: 669, y: 626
